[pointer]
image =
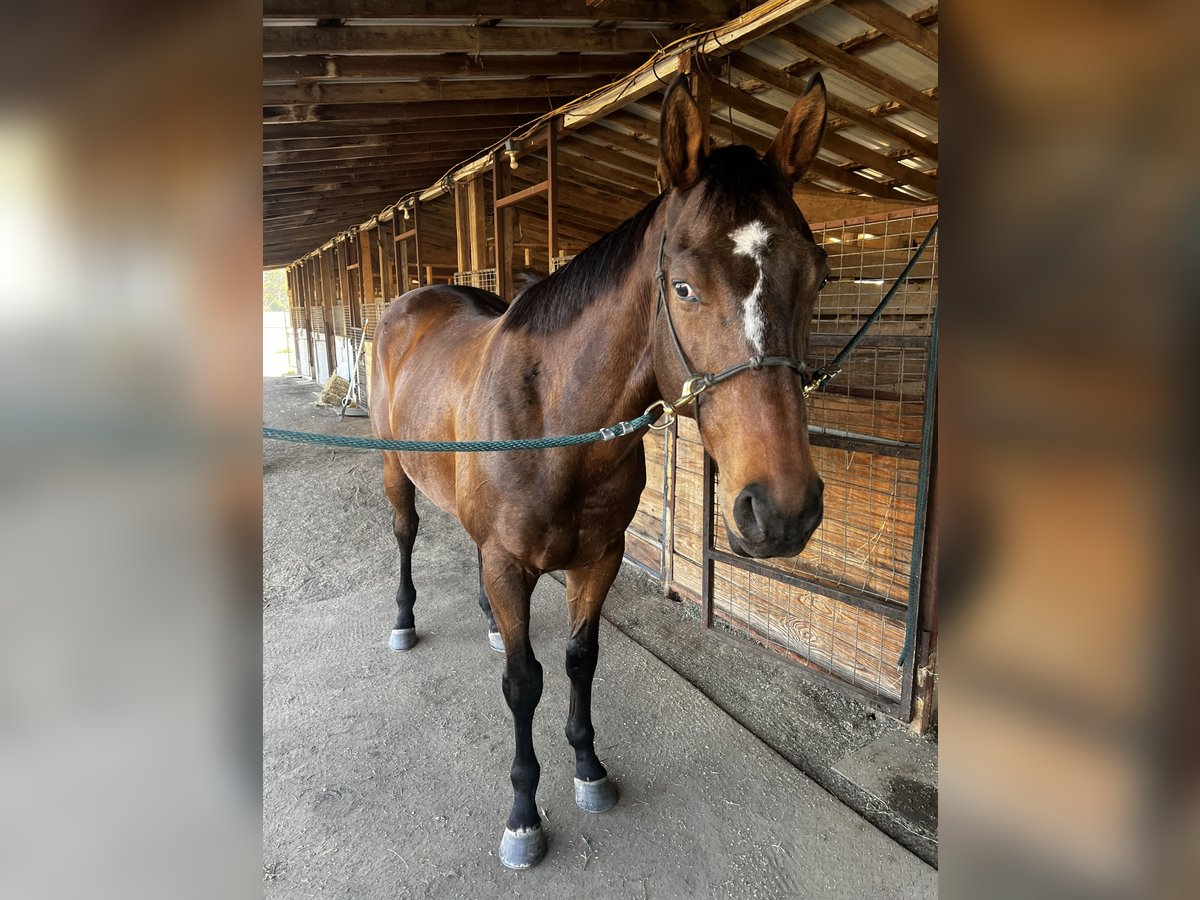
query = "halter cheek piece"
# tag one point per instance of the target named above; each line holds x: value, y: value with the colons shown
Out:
x: 695, y: 385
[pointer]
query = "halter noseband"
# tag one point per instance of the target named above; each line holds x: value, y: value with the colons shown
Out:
x: 695, y: 385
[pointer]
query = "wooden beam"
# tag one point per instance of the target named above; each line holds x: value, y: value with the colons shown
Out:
x: 421, y: 126
x: 291, y: 40
x: 335, y: 92
x: 392, y: 113
x: 410, y: 163
x: 775, y: 116
x: 399, y: 150
x: 698, y: 11
x: 469, y: 140
x: 894, y: 24
x: 843, y: 109
x: 852, y: 67
x: 293, y: 68
x: 535, y: 190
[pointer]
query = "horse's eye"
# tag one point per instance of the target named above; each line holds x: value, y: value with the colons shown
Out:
x: 684, y: 291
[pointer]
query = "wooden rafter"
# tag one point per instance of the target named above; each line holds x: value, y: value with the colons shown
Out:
x: 834, y: 143
x: 700, y: 11
x: 328, y: 92
x: 294, y: 68
x: 843, y: 109
x: 290, y: 40
x: 894, y: 24
x: 854, y: 68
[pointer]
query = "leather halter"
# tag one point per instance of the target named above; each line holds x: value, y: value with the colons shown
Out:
x: 695, y: 384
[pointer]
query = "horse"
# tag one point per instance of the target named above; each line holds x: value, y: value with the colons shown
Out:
x: 713, y: 275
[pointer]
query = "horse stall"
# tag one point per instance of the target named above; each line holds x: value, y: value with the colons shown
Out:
x: 481, y: 154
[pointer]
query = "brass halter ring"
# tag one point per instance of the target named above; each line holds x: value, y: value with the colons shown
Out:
x: 692, y: 388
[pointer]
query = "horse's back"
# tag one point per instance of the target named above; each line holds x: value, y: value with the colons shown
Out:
x: 427, y: 350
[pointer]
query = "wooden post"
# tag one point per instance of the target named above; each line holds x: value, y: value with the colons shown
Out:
x: 477, y: 223
x: 416, y: 214
x: 366, y: 275
x: 462, y: 228
x: 327, y: 308
x: 342, y: 257
x: 924, y: 687
x: 551, y: 193
x: 387, y: 260
x: 501, y: 181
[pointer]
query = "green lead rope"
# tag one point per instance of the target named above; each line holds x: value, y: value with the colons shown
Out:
x: 362, y: 443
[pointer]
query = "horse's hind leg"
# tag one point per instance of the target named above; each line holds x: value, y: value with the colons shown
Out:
x: 494, y: 638
x: 586, y: 589
x: 403, y: 494
x: 510, y: 586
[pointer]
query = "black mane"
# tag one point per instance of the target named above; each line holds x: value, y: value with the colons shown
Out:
x: 556, y: 301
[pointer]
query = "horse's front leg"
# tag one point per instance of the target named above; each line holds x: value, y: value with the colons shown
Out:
x: 509, y: 587
x: 586, y: 589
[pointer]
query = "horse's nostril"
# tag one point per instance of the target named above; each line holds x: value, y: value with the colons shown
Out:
x: 748, y: 512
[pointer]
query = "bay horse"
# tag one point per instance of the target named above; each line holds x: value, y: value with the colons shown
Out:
x: 720, y: 267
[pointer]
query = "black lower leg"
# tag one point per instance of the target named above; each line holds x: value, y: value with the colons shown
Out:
x: 522, y: 683
x: 405, y: 526
x: 582, y: 650
x: 484, y: 603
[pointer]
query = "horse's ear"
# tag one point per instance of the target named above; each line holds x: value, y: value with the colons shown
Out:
x: 799, y: 138
x: 681, y: 136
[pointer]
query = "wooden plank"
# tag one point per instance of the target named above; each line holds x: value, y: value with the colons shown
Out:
x: 894, y: 24
x: 292, y: 68
x: 852, y: 67
x: 291, y: 40
x: 337, y: 92
x: 698, y: 11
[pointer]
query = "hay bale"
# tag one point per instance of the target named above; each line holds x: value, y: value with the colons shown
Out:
x: 335, y: 392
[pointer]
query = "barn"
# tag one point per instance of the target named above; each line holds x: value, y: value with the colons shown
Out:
x: 460, y: 142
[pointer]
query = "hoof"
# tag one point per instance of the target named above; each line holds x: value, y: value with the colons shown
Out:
x: 595, y: 796
x: 402, y: 639
x: 495, y: 641
x: 523, y: 848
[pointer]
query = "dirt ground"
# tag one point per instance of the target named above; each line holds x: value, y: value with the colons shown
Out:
x: 386, y: 775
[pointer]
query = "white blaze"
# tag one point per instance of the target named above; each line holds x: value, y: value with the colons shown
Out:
x: 751, y: 240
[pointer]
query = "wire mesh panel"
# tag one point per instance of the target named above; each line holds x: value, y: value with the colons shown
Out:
x: 483, y: 278
x: 839, y: 608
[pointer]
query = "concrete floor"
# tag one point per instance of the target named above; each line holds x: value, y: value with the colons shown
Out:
x: 387, y: 774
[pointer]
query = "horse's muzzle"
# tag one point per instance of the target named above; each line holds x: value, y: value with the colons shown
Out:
x: 764, y: 530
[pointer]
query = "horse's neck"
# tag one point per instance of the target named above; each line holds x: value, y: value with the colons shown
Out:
x: 603, y: 361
